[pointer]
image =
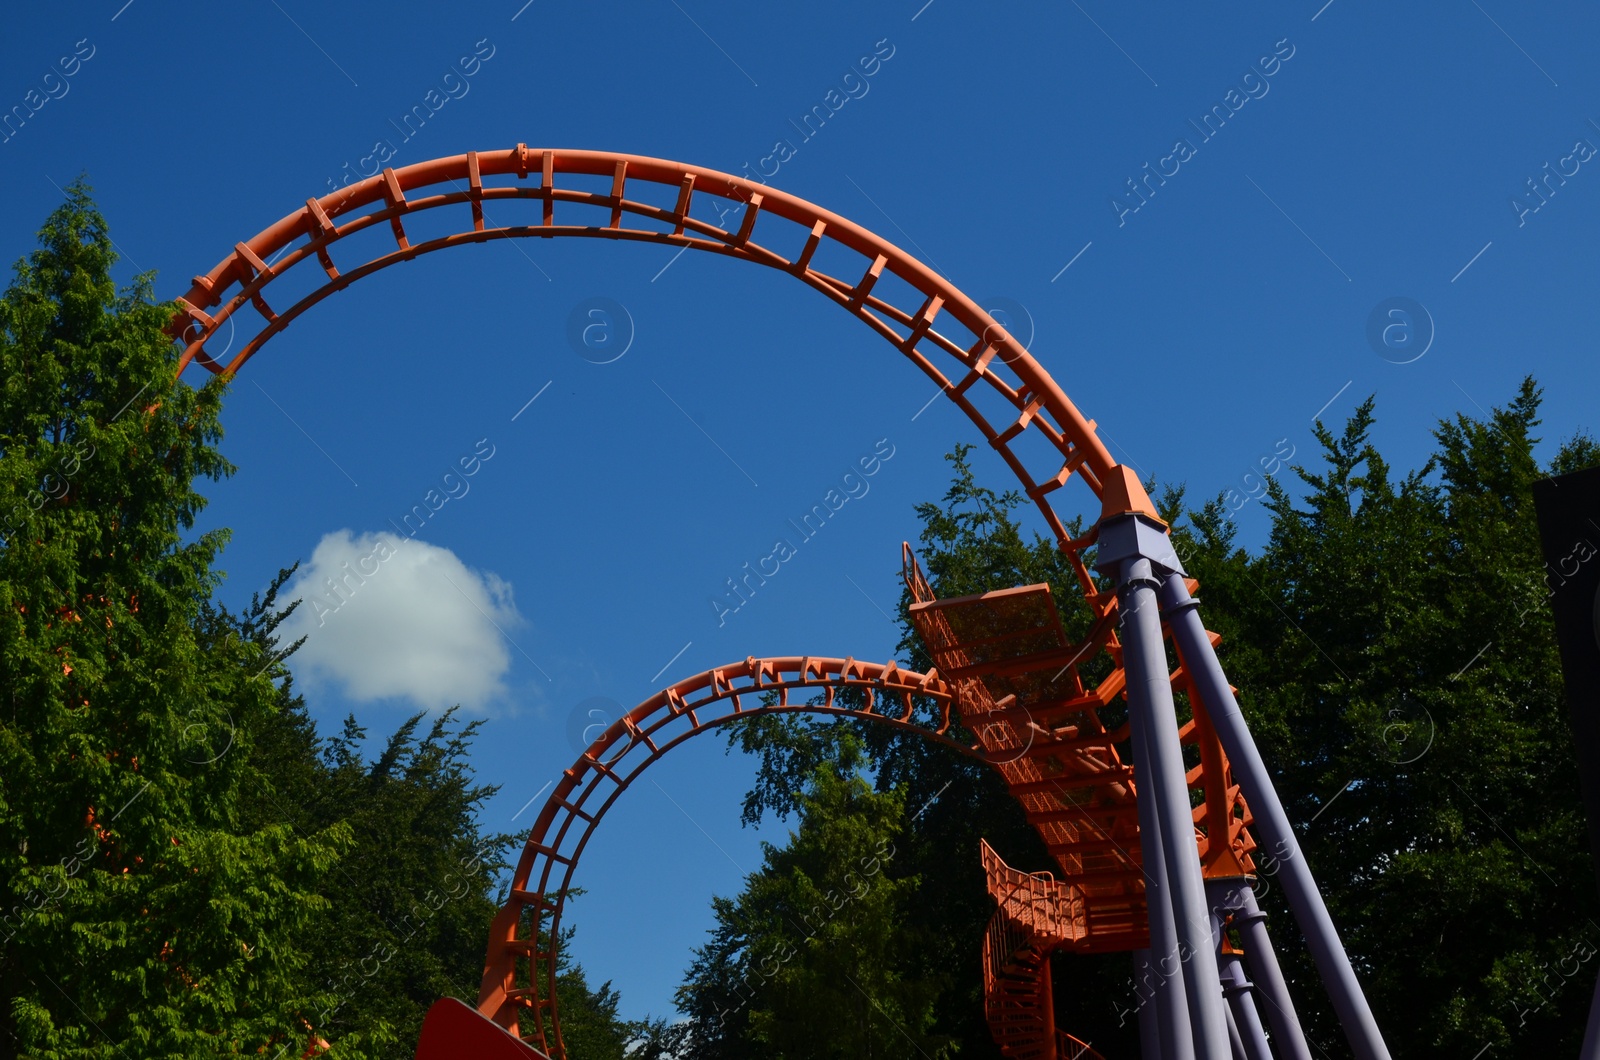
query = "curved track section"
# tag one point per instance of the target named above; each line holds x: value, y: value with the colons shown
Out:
x: 1011, y: 675
x: 600, y: 194
x: 521, y: 960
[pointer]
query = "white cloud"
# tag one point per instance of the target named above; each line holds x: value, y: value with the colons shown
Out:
x: 387, y: 617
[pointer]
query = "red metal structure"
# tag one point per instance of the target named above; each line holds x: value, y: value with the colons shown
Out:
x: 1018, y: 685
x: 1134, y: 811
x: 521, y: 964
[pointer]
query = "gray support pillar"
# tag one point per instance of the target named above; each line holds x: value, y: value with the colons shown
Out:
x: 1243, y: 1020
x: 1144, y: 971
x: 1310, y: 912
x: 1239, y: 991
x: 1237, y: 898
x: 1591, y: 1035
x: 1171, y: 1010
x: 1144, y: 658
x: 1235, y: 1043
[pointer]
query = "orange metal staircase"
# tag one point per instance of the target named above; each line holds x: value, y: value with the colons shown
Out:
x: 1018, y: 689
x: 1036, y: 915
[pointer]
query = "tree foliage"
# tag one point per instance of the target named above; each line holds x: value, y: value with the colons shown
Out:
x: 1397, y: 666
x: 187, y: 869
x: 822, y: 955
x: 139, y: 913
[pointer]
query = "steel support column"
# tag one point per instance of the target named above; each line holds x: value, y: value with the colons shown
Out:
x: 1591, y: 1034
x: 1171, y: 1011
x: 1244, y: 1020
x: 1048, y: 990
x: 1235, y: 1042
x: 1310, y: 912
x: 1129, y: 543
x: 1144, y: 971
x: 1240, y: 992
x: 1235, y: 897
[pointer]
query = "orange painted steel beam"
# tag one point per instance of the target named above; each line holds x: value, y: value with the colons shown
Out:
x: 454, y: 1031
x: 942, y: 331
x: 518, y: 961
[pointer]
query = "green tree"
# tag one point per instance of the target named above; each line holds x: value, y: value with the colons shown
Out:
x: 591, y: 1026
x: 821, y: 955
x: 139, y: 916
x: 410, y: 903
x: 1397, y: 667
x: 971, y: 542
x: 186, y: 868
x: 1392, y: 651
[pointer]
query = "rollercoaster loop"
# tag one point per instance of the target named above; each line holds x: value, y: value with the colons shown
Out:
x: 303, y: 244
x: 310, y: 253
x: 892, y: 696
x: 1004, y: 665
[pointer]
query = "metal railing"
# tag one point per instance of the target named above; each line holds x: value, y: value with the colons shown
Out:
x: 1049, y: 909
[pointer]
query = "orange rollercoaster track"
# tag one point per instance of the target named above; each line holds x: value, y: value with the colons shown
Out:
x: 1003, y: 665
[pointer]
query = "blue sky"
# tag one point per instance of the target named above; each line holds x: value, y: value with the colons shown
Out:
x: 1371, y: 153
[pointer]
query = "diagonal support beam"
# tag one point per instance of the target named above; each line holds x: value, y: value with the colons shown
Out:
x: 1310, y: 912
x: 1234, y: 898
x: 1173, y: 1033
x: 1135, y: 550
x: 1144, y: 971
x: 1240, y: 992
